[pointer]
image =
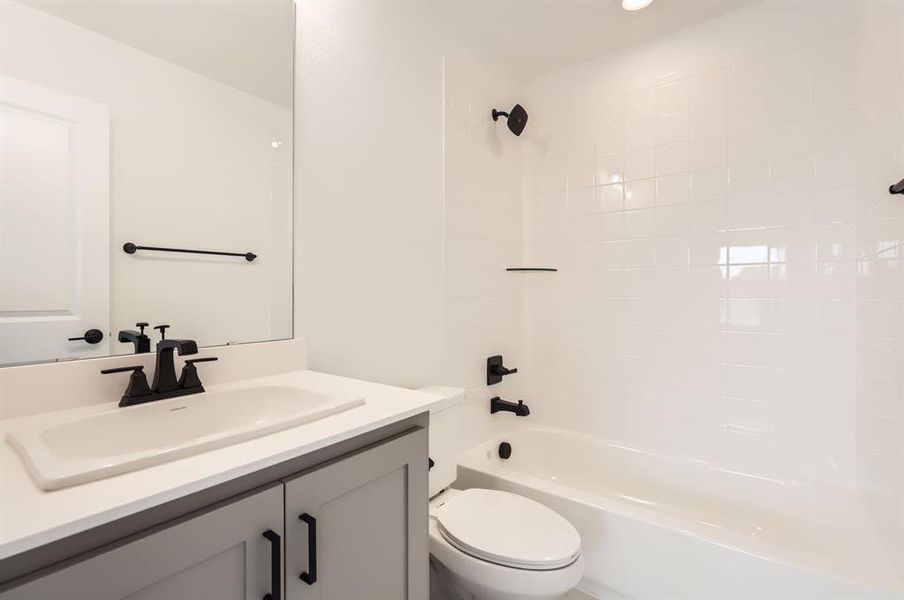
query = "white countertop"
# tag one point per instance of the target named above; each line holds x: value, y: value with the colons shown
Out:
x: 30, y: 517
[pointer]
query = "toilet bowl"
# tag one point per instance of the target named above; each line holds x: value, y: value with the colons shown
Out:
x: 490, y: 544
x: 493, y: 545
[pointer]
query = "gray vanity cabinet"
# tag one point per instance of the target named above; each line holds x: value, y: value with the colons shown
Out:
x: 220, y: 554
x: 356, y: 529
x: 364, y: 536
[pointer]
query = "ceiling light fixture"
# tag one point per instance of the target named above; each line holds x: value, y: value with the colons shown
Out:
x: 633, y: 5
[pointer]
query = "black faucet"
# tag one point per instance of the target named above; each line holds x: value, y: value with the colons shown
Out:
x: 497, y: 404
x: 165, y: 383
x: 141, y: 341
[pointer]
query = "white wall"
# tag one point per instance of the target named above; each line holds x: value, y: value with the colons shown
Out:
x: 192, y: 165
x: 409, y: 204
x: 369, y: 190
x: 731, y: 269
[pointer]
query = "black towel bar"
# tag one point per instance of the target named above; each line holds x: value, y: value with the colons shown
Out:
x: 130, y: 248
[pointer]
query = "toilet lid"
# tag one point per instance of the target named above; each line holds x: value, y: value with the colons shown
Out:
x: 508, y: 529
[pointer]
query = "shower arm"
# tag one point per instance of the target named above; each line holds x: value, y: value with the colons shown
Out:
x: 499, y: 113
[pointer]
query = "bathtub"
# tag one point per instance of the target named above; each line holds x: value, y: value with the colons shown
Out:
x: 655, y: 527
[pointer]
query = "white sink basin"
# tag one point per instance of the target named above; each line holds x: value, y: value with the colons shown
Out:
x: 125, y: 439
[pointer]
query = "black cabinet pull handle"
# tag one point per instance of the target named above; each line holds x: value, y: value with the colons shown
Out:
x: 275, y: 565
x: 310, y: 576
x: 92, y: 336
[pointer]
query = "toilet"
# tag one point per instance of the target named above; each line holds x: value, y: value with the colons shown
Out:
x: 490, y: 544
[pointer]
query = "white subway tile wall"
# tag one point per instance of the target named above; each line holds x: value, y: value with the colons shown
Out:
x: 731, y: 282
x: 483, y: 229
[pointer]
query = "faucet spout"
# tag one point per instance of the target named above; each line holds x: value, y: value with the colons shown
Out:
x: 141, y: 341
x: 165, y: 371
x: 497, y: 404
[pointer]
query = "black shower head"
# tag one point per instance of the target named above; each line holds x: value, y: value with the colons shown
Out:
x: 517, y: 119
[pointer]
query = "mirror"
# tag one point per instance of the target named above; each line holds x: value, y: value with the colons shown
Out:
x: 130, y: 134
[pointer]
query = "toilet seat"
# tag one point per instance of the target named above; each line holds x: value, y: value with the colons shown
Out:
x: 508, y: 530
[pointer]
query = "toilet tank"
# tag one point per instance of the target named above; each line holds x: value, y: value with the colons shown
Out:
x: 444, y: 436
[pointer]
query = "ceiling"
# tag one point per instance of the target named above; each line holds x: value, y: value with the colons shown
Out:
x: 534, y: 37
x: 246, y: 44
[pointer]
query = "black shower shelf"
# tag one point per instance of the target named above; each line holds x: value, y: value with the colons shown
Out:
x: 536, y: 269
x: 130, y: 248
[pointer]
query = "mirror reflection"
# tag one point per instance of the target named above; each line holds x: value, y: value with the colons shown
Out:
x: 133, y: 135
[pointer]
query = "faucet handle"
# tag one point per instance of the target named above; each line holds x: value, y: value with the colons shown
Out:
x: 197, y: 360
x: 189, y: 378
x: 122, y: 369
x: 141, y: 325
x: 162, y: 329
x: 496, y: 370
x: 138, y: 384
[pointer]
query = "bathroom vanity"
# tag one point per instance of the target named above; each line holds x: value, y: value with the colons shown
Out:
x: 362, y: 513
x: 331, y: 508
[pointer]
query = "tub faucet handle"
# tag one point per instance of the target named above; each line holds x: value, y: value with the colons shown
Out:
x: 496, y: 370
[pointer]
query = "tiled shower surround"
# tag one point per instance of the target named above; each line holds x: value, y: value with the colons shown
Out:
x: 731, y: 270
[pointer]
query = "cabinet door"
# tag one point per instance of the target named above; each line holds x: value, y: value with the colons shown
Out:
x: 219, y: 555
x: 356, y: 529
